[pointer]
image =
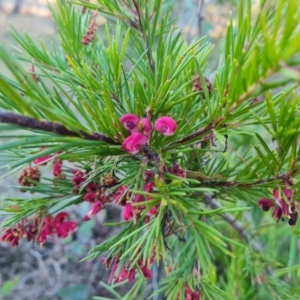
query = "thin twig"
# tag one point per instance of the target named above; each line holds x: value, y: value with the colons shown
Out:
x: 285, y: 178
x: 239, y: 227
x: 192, y: 136
x: 200, y: 5
x: 28, y: 122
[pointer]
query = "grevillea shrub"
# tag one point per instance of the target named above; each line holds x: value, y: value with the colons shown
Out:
x: 197, y: 159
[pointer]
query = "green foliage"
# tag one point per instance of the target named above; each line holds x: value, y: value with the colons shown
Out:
x: 236, y: 141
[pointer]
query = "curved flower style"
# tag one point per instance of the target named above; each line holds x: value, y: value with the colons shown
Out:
x: 165, y: 125
x: 285, y: 201
x: 133, y: 143
x: 130, y: 122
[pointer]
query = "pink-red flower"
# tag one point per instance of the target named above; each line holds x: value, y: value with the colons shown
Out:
x: 146, y: 272
x: 284, y: 205
x: 123, y: 275
x: 96, y: 207
x: 146, y: 125
x: 128, y: 212
x: 265, y: 204
x: 90, y: 197
x: 120, y: 194
x: 57, y: 225
x: 57, y: 168
x: 42, y: 160
x: 284, y: 200
x: 131, y: 275
x: 130, y: 122
x: 165, y: 125
x: 134, y: 142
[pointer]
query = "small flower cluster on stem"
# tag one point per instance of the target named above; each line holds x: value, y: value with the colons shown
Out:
x: 95, y: 195
x: 128, y: 271
x: 190, y: 294
x: 132, y: 212
x: 39, y: 229
x: 141, y: 130
x: 90, y: 34
x: 284, y: 205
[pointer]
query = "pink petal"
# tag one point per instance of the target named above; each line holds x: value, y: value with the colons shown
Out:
x: 146, y: 125
x: 122, y: 276
x: 90, y: 197
x: 60, y: 217
x: 130, y: 122
x: 57, y: 168
x: 148, y: 175
x: 131, y: 275
x: 128, y: 212
x: 42, y: 160
x: 119, y: 193
x: 91, y: 186
x: 165, y: 125
x: 148, y: 187
x: 133, y: 143
x: 146, y: 272
x: 277, y: 213
x: 265, y: 204
x: 152, y: 212
x: 288, y: 194
x: 96, y: 207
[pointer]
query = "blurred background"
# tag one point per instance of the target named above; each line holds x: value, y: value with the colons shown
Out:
x: 52, y: 272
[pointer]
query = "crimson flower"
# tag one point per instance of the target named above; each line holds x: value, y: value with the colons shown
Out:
x: 131, y: 275
x: 42, y: 160
x: 96, y: 207
x: 90, y: 197
x: 265, y: 204
x: 57, y: 225
x: 284, y: 200
x: 165, y: 125
x: 128, y: 212
x: 146, y: 272
x: 284, y: 205
x: 57, y: 168
x: 120, y: 193
x: 130, y: 122
x: 133, y: 143
x: 146, y: 125
x: 123, y: 275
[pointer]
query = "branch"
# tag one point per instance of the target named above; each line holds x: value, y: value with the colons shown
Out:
x: 285, y: 178
x: 149, y: 56
x: 239, y: 227
x: 28, y: 122
x: 200, y: 5
x: 195, y: 134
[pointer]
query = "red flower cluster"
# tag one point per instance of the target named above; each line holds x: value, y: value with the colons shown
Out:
x: 284, y: 205
x: 57, y: 165
x: 128, y: 271
x: 190, y: 294
x: 95, y: 195
x: 40, y: 229
x: 29, y: 176
x: 89, y: 36
x: 131, y: 212
x: 141, y: 129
